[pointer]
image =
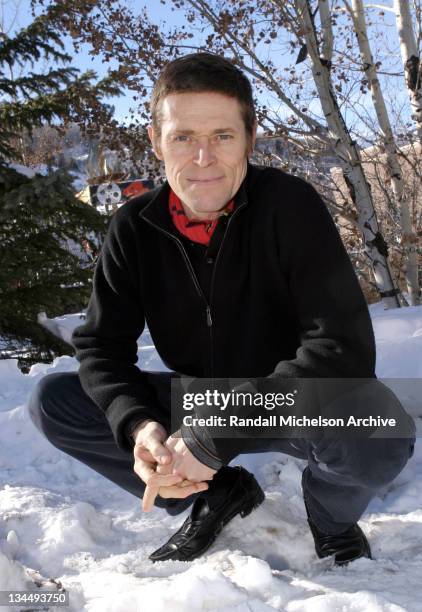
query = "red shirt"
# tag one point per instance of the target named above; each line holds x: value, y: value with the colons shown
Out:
x: 196, y: 230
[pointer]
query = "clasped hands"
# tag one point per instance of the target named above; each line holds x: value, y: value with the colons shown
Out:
x: 166, y: 465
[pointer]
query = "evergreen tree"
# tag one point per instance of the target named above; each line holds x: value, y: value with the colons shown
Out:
x: 43, y: 266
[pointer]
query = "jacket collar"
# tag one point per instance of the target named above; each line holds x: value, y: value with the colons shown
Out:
x: 157, y: 209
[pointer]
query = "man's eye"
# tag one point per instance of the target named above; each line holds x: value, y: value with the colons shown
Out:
x: 181, y: 138
x: 224, y: 136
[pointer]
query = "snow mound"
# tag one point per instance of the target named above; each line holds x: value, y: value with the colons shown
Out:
x: 63, y: 524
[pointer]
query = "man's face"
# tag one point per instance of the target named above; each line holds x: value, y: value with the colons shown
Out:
x: 204, y: 147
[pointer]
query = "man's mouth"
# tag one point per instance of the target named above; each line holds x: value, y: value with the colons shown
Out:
x: 206, y: 181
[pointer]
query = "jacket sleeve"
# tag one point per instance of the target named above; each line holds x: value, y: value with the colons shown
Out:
x: 335, y: 328
x: 336, y: 338
x: 106, y: 344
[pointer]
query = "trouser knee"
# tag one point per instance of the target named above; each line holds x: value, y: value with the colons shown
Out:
x: 386, y: 458
x: 49, y: 405
x: 365, y: 462
x: 40, y: 399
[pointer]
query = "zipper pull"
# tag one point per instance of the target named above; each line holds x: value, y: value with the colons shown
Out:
x: 209, y: 319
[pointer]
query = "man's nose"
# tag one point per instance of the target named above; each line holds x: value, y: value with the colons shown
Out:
x: 204, y: 153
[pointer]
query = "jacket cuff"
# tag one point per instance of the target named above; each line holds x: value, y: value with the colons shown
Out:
x: 131, y: 425
x: 218, y: 451
x: 119, y: 416
x: 208, y: 451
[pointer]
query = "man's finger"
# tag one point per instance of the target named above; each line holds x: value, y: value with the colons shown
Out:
x: 140, y: 452
x: 182, y: 492
x: 146, y: 471
x: 157, y: 449
x: 185, y: 483
x: 153, y: 486
x: 164, y: 469
x: 148, y: 498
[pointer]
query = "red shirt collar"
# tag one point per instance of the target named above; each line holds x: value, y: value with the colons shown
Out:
x: 196, y: 230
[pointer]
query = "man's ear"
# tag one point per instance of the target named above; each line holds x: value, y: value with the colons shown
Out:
x: 155, y: 141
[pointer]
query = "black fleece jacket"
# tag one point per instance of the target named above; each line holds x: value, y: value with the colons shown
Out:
x: 283, y: 301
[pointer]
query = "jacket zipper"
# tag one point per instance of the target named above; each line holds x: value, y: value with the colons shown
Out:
x: 195, y: 279
x: 213, y: 277
x: 192, y: 274
x: 185, y: 255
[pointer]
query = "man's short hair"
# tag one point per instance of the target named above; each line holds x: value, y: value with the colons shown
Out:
x: 203, y: 72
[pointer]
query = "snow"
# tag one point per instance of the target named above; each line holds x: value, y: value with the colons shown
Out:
x: 64, y: 523
x: 30, y: 172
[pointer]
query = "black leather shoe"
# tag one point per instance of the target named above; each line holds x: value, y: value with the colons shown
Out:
x: 346, y: 546
x: 232, y: 491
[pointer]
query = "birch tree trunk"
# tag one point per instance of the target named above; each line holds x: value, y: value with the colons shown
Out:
x: 348, y: 152
x: 394, y: 169
x: 411, y: 60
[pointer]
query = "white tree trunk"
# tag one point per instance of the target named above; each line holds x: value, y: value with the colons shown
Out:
x: 411, y: 60
x: 394, y: 169
x: 348, y: 152
x: 327, y: 30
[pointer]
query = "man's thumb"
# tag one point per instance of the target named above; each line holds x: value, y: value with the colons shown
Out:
x: 164, y: 457
x: 159, y: 451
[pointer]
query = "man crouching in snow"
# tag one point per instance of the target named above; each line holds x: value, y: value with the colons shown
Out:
x: 239, y: 271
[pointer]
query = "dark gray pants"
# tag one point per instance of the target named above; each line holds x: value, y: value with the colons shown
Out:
x: 343, y: 474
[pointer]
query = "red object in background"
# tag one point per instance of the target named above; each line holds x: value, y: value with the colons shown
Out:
x: 134, y: 189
